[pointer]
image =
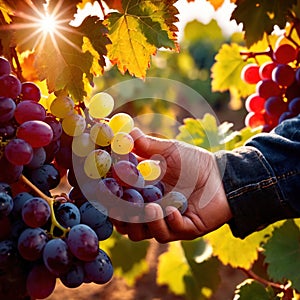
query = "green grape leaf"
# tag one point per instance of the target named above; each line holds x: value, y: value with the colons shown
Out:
x: 136, y: 33
x: 259, y: 17
x: 226, y: 72
x: 128, y: 258
x: 204, y: 132
x: 234, y: 251
x: 282, y: 254
x: 182, y: 266
x: 251, y: 289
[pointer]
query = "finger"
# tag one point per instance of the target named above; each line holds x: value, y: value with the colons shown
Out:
x: 146, y: 146
x: 158, y: 228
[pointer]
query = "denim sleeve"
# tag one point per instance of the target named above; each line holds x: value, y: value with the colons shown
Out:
x: 262, y: 178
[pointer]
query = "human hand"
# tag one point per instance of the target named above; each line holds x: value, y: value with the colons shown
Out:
x: 190, y: 170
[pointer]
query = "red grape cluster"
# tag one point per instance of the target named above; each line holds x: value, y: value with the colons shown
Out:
x: 277, y: 95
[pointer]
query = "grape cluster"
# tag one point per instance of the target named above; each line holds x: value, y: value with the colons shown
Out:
x: 277, y: 95
x: 45, y: 237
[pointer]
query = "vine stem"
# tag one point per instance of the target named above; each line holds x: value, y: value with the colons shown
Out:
x: 50, y: 201
x: 264, y: 281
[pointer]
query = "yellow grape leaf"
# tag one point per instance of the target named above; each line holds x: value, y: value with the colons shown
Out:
x: 5, y: 12
x: 136, y: 34
x: 172, y: 268
x: 234, y: 251
x: 226, y: 72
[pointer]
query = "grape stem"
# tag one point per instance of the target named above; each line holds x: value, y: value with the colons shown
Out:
x: 251, y: 274
x: 50, y: 201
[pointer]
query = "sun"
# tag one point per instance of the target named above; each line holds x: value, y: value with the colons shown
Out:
x: 48, y: 24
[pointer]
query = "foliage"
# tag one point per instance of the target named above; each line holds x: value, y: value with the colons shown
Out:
x: 124, y: 42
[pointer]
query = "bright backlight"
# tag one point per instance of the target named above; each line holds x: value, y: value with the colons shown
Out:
x: 48, y: 24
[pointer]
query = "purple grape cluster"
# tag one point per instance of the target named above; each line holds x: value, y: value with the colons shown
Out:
x: 29, y: 246
x: 42, y: 238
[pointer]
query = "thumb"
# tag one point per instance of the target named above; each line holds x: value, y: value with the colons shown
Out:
x: 147, y: 146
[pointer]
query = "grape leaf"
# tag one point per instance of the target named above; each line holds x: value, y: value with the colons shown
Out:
x: 204, y: 132
x: 237, y: 252
x: 182, y: 267
x: 172, y: 268
x: 5, y: 12
x: 282, y: 253
x: 198, y: 254
x: 251, y: 289
x: 138, y: 32
x: 260, y: 16
x: 128, y: 258
x: 226, y: 72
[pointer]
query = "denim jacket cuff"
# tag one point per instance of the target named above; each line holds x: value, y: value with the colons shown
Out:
x: 252, y: 190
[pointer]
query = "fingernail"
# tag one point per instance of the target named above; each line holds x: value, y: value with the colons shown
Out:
x: 169, y: 212
x: 150, y: 212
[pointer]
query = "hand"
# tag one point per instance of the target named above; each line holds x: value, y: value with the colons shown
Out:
x: 194, y: 172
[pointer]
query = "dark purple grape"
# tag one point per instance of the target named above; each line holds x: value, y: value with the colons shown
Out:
x: 10, y: 86
x: 6, y: 188
x: 6, y: 204
x: 57, y: 256
x: 68, y: 215
x: 5, y: 68
x: 7, y: 131
x: 134, y: 197
x: 55, y: 125
x: 31, y: 243
x: 45, y: 177
x: 275, y: 106
x: 151, y: 193
x: 161, y: 186
x: 35, y: 212
x: 283, y: 74
x: 30, y: 91
x: 40, y: 282
x: 51, y: 149
x: 100, y: 270
x: 126, y: 173
x: 74, y: 277
x: 105, y: 230
x: 7, y: 109
x: 93, y: 216
x: 83, y: 242
x: 19, y: 201
x: 38, y: 159
x: 111, y: 185
x: 294, y: 105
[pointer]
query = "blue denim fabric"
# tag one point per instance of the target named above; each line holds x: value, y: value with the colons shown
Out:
x: 262, y: 178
